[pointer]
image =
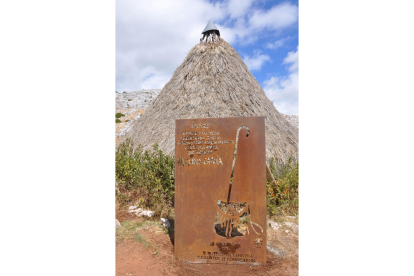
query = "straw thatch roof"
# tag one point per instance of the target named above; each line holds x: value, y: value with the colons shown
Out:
x: 213, y: 82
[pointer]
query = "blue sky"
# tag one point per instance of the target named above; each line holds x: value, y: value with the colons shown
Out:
x: 153, y: 38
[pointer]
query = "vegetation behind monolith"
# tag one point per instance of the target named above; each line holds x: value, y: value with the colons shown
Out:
x: 146, y: 178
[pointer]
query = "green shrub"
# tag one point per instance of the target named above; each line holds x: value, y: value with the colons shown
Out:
x: 119, y: 115
x: 117, y: 121
x: 282, y: 195
x: 145, y: 178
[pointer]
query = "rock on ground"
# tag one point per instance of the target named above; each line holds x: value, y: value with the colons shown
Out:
x: 147, y: 213
x: 293, y: 226
x: 273, y: 224
x: 165, y: 222
x: 139, y: 212
x: 275, y: 251
x: 117, y: 224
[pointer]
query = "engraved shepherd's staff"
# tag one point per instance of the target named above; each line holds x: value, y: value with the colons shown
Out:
x: 231, y: 217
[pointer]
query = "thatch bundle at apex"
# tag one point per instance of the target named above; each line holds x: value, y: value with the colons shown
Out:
x: 213, y: 82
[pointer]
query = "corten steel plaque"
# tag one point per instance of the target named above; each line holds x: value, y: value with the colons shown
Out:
x: 220, y: 184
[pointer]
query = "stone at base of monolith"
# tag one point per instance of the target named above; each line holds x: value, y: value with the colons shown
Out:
x: 273, y: 224
x: 294, y: 227
x: 165, y: 222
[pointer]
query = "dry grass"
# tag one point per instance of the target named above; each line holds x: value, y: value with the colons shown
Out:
x: 286, y: 242
x: 213, y: 82
x: 130, y: 229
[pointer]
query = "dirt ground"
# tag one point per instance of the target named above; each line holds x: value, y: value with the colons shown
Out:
x: 145, y: 248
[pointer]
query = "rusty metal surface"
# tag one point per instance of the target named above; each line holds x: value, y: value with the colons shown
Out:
x: 206, y: 231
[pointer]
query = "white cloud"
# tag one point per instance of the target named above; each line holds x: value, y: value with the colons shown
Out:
x: 153, y: 37
x: 283, y: 91
x: 237, y: 8
x: 256, y: 61
x: 292, y: 58
x: 155, y: 81
x: 278, y: 43
x: 279, y: 16
x: 248, y: 28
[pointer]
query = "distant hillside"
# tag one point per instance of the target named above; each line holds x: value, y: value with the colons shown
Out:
x: 133, y: 104
x: 137, y: 99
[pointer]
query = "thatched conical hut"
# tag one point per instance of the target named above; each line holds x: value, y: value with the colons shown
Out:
x: 213, y: 82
